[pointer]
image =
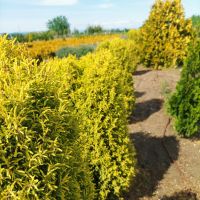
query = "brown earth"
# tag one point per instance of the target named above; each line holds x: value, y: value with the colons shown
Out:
x: 169, y: 166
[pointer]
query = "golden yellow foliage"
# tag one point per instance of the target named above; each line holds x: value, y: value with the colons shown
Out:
x: 64, y: 124
x: 103, y: 103
x: 40, y: 151
x: 45, y: 49
x: 165, y: 35
x: 125, y: 51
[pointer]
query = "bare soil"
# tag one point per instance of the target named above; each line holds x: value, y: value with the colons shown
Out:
x: 168, y: 165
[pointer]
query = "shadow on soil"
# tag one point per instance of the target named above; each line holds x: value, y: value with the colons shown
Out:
x: 183, y: 195
x: 195, y: 137
x: 141, y: 72
x: 153, y: 162
x: 139, y: 94
x: 145, y: 109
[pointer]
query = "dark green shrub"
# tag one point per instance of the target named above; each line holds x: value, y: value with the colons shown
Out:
x: 77, y: 51
x: 184, y: 105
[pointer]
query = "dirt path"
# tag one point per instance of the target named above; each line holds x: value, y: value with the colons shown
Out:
x: 169, y: 166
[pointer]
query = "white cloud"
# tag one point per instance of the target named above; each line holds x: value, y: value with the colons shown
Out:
x: 58, y: 2
x: 106, y: 5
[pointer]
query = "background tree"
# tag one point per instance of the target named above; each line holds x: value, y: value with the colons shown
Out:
x: 76, y: 32
x: 59, y: 25
x: 20, y: 37
x: 94, y: 29
x: 165, y: 35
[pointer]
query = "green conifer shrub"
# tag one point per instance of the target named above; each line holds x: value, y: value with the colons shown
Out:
x: 184, y: 104
x: 165, y: 35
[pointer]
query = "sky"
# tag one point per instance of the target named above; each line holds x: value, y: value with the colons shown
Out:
x: 33, y: 15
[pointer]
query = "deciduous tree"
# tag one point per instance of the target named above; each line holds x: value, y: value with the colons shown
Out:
x: 59, y: 25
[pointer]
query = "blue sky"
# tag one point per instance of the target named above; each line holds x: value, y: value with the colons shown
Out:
x: 32, y: 15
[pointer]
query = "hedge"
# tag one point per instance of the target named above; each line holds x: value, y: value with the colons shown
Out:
x: 103, y: 103
x: 39, y: 139
x: 63, y: 125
